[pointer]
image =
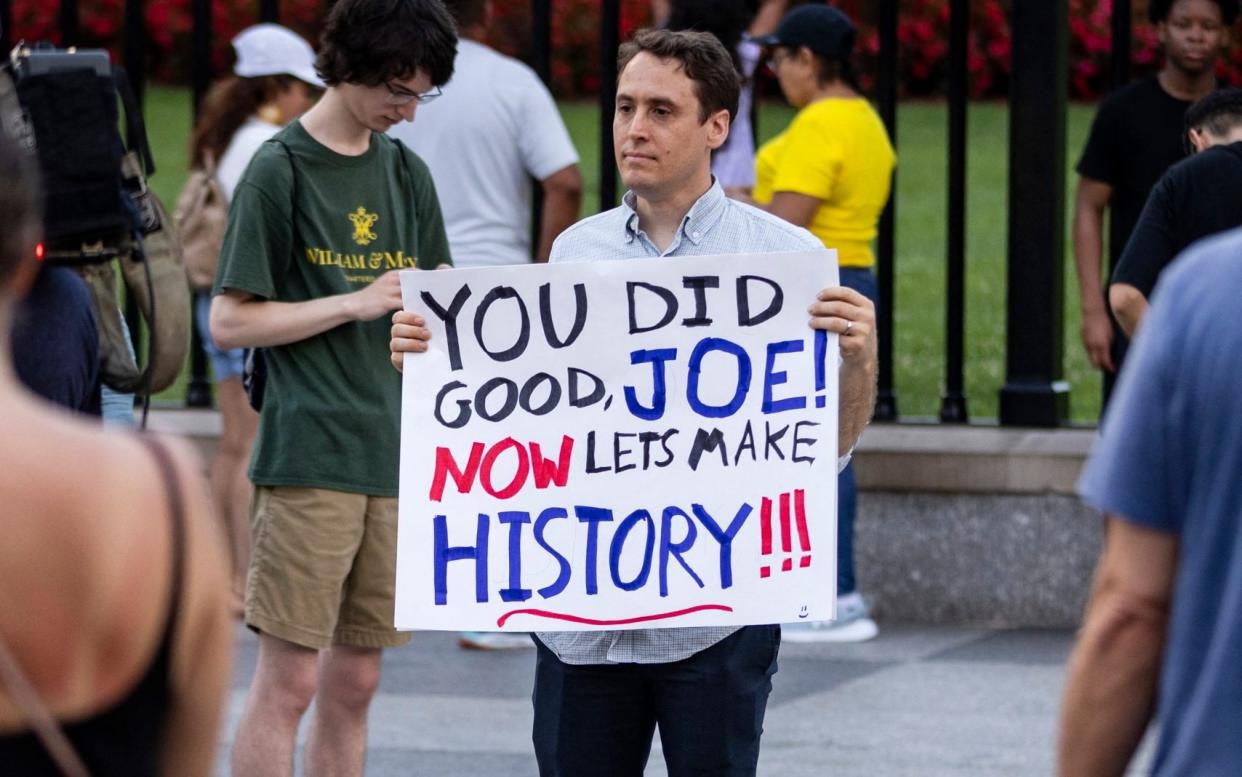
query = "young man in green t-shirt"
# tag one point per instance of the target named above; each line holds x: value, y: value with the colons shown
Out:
x: 327, y: 213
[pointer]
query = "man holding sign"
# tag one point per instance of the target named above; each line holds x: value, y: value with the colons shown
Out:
x: 600, y: 694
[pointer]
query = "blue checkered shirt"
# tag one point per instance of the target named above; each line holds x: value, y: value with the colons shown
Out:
x: 715, y: 224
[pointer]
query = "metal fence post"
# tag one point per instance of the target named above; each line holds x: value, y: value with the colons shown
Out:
x: 541, y: 62
x: 541, y: 40
x: 134, y: 50
x: 953, y: 403
x: 886, y: 95
x: 1034, y: 394
x: 1121, y: 43
x: 198, y: 388
x: 68, y: 23
x: 609, y: 42
x: 6, y: 27
x: 133, y: 57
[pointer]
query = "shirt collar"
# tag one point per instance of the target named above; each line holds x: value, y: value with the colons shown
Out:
x: 698, y: 221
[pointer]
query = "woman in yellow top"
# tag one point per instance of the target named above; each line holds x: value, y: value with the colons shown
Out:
x: 830, y: 171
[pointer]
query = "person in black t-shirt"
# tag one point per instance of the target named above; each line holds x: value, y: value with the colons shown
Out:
x: 1197, y: 197
x: 1136, y: 136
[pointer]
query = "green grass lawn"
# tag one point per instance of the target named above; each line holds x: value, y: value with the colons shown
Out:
x: 921, y: 208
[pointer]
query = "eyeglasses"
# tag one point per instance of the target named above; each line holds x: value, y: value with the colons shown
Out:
x: 400, y: 96
x: 776, y: 59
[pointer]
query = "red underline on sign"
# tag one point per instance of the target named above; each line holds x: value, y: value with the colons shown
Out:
x: 564, y: 616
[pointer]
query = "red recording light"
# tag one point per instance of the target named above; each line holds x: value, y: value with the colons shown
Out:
x: 39, y: 252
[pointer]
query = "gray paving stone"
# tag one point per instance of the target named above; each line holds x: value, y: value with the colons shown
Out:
x: 896, y: 642
x: 404, y: 763
x: 926, y: 701
x: 1049, y: 647
x: 433, y: 664
x: 798, y: 677
x: 921, y: 718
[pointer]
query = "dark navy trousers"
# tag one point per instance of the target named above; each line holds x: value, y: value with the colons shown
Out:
x: 598, y: 720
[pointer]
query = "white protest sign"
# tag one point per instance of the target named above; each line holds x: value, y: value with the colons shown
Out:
x: 619, y: 444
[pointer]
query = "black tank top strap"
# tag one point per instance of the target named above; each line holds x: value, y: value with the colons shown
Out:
x: 176, y: 517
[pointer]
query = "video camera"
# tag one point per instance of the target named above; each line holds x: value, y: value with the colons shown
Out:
x: 97, y: 206
x: 96, y: 199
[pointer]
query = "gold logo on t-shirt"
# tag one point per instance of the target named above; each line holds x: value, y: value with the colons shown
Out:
x: 363, y: 222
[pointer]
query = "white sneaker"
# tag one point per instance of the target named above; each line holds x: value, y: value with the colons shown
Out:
x: 494, y: 640
x: 853, y: 624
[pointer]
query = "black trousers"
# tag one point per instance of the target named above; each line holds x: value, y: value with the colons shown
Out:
x: 598, y: 720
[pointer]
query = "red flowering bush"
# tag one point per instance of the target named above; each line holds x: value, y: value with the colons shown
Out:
x: 1091, y: 47
x: 923, y: 38
x: 575, y: 38
x: 168, y: 24
x: 923, y: 48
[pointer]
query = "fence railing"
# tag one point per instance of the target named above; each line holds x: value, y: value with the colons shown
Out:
x: 1034, y: 393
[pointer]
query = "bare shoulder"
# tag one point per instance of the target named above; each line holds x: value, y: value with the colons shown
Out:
x: 86, y: 518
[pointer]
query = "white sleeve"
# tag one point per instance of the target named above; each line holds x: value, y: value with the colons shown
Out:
x: 748, y: 56
x: 236, y: 157
x: 544, y: 144
x: 844, y: 462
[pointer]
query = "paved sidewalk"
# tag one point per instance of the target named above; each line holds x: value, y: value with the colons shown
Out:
x: 925, y: 701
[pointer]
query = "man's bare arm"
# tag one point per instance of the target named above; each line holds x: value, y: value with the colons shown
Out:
x: 562, y: 198
x: 1115, y: 666
x: 1129, y: 306
x: 241, y: 320
x: 851, y: 315
x: 1090, y: 200
x: 797, y: 209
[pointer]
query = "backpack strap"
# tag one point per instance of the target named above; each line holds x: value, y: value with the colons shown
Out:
x: 293, y: 193
x: 403, y: 152
x: 135, y: 128
x: 254, y: 372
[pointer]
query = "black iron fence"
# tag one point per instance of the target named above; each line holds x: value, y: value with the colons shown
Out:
x: 1034, y: 393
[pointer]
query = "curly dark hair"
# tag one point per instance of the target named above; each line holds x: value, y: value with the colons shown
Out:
x: 702, y: 57
x: 226, y: 107
x: 21, y: 203
x: 1159, y: 10
x: 368, y: 42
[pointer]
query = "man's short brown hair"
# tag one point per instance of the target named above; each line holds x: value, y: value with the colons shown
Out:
x: 702, y: 57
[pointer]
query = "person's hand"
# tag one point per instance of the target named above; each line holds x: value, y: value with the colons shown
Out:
x: 1097, y: 337
x: 381, y: 296
x: 409, y: 335
x: 852, y: 316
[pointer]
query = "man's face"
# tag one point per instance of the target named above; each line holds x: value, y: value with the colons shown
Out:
x: 662, y: 147
x: 380, y: 107
x: 1193, y: 35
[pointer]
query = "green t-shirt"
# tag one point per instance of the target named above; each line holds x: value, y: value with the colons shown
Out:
x: 332, y: 407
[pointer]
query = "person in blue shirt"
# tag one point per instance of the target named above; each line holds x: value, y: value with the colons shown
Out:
x: 1163, y: 632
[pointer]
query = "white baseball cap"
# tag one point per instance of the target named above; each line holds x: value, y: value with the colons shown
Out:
x: 272, y: 50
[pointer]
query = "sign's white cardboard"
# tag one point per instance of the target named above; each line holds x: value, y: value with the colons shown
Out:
x: 619, y: 444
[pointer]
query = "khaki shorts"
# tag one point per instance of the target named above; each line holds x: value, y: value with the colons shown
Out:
x: 323, y: 567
